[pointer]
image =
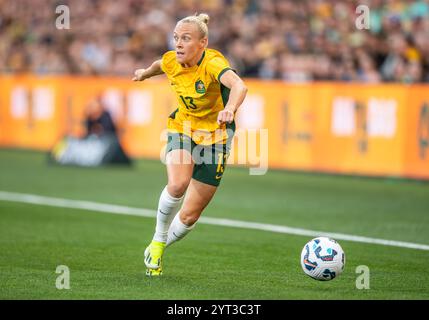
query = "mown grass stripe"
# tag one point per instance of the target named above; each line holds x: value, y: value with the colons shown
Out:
x: 141, y: 212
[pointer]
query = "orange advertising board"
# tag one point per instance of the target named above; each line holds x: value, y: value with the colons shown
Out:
x: 416, y: 150
x: 380, y: 130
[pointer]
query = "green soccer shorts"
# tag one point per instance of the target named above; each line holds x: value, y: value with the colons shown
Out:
x: 210, y: 160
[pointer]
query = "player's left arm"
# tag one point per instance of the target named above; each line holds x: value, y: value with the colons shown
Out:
x: 236, y: 96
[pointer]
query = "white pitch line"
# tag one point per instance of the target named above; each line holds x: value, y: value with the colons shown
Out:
x: 117, y: 209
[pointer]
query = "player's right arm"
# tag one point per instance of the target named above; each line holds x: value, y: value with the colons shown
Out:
x: 153, y: 70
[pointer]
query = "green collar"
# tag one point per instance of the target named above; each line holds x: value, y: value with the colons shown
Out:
x: 202, y: 57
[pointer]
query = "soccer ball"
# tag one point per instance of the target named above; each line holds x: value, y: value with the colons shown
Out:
x: 323, y: 259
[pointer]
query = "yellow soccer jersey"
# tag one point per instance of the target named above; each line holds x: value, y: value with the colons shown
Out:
x: 200, y: 96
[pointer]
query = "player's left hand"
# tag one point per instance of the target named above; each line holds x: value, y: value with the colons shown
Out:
x: 225, y: 116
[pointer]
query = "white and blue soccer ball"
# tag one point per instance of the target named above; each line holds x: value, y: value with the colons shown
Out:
x: 323, y: 259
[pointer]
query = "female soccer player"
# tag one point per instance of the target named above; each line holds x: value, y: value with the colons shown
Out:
x: 200, y: 130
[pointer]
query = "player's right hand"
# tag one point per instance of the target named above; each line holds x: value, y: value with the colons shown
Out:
x: 138, y: 75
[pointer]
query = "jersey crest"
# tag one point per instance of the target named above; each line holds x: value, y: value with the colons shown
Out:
x: 199, y: 87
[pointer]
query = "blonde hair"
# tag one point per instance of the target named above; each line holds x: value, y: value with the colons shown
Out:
x: 201, y: 20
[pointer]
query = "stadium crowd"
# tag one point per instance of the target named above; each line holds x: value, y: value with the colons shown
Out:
x: 291, y: 40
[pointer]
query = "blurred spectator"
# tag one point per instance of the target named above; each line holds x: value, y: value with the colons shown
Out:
x: 99, y: 146
x: 271, y: 39
x: 98, y: 120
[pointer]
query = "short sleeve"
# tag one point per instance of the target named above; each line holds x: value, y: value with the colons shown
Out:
x: 167, y: 62
x: 216, y: 67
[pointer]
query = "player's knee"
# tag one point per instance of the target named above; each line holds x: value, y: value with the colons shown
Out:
x: 189, y: 218
x: 177, y: 188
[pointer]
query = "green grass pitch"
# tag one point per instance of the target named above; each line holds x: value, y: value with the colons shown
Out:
x: 104, y: 252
